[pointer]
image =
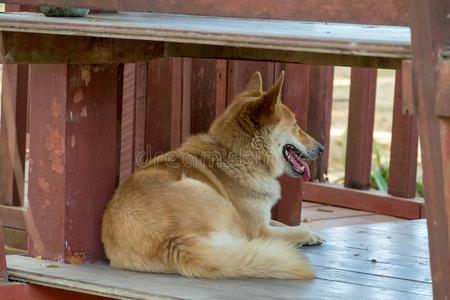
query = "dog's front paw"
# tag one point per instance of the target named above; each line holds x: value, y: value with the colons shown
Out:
x: 314, y: 240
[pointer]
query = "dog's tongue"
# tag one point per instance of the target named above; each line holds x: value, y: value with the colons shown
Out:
x: 300, y: 165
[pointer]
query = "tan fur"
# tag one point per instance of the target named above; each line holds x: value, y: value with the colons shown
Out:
x: 203, y: 210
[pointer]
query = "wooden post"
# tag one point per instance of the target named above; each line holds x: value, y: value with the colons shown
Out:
x: 73, y: 135
x: 13, y: 132
x: 209, y: 88
x: 296, y: 95
x: 164, y: 105
x: 360, y: 128
x: 319, y: 112
x: 404, y: 146
x: 430, y: 35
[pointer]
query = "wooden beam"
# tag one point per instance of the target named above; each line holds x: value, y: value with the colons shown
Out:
x: 430, y: 35
x: 372, y: 201
x: 303, y: 57
x: 404, y: 147
x: 73, y: 131
x: 13, y: 216
x: 319, y: 115
x: 394, y: 12
x: 72, y: 49
x: 361, y: 114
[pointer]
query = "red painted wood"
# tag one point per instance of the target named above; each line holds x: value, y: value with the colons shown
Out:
x: 430, y: 36
x: 239, y: 72
x: 368, y: 11
x: 295, y: 96
x: 319, y: 115
x: 140, y: 113
x: 404, y: 146
x: 164, y: 105
x: 128, y: 120
x: 209, y: 81
x: 73, y: 131
x: 360, y: 128
x: 186, y: 99
x: 407, y: 88
x: 23, y: 291
x: 13, y: 132
x: 372, y: 201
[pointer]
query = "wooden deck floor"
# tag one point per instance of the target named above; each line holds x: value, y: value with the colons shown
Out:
x: 319, y: 216
x: 369, y: 261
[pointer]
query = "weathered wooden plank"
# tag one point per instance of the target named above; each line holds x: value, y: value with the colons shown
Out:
x: 429, y: 26
x: 73, y: 49
x: 15, y: 238
x: 164, y: 105
x: 140, y: 113
x: 295, y: 96
x: 209, y: 88
x: 186, y: 107
x: 361, y: 115
x: 404, y: 148
x: 395, y: 12
x: 364, y: 200
x: 116, y: 283
x: 13, y: 131
x: 319, y: 115
x: 13, y: 216
x: 72, y: 158
x: 331, y: 38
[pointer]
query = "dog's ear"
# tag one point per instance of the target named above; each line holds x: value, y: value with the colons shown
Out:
x: 254, y: 85
x: 268, y: 101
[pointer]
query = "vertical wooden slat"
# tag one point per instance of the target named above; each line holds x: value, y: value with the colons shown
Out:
x: 239, y: 73
x: 128, y: 120
x: 430, y: 35
x: 404, y: 146
x: 295, y: 96
x: 360, y: 128
x: 73, y: 132
x: 319, y: 115
x: 208, y: 92
x: 186, y: 113
x: 140, y: 110
x: 164, y: 105
x: 13, y: 132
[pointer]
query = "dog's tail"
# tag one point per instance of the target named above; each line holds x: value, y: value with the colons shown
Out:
x: 239, y: 257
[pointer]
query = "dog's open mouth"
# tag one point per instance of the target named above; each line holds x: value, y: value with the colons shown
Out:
x: 297, y: 161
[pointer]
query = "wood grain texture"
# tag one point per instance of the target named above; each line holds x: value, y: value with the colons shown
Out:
x: 367, y: 12
x: 404, y: 148
x: 50, y: 48
x: 344, y: 265
x: 319, y: 115
x: 73, y: 126
x: 295, y: 96
x: 208, y: 92
x: 429, y: 26
x: 13, y: 131
x: 164, y: 105
x: 324, y: 38
x: 358, y: 161
x: 363, y: 200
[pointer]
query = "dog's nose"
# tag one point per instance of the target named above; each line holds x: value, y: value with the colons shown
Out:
x: 321, y: 148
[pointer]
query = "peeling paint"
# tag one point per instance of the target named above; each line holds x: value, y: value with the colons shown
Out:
x: 79, y: 96
x: 86, y: 75
x: 77, y: 258
x: 43, y: 184
x: 56, y: 108
x: 55, y: 146
x: 73, y: 141
x: 83, y: 112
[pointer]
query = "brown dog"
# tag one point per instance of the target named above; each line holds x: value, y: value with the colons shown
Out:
x: 203, y: 210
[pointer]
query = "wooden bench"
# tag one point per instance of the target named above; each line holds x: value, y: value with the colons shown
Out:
x: 194, y: 41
